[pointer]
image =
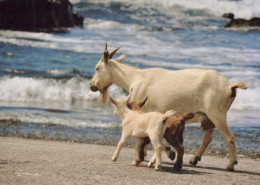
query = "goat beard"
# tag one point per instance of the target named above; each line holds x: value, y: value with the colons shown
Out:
x: 104, y: 94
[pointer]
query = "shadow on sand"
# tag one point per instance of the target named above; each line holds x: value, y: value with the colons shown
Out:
x: 193, y: 170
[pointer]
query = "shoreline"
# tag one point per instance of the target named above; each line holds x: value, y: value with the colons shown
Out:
x: 28, y: 161
x: 219, y: 152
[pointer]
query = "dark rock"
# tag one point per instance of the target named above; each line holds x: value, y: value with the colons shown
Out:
x: 255, y: 21
x: 38, y: 15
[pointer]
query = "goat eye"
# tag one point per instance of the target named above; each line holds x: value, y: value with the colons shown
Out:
x: 97, y: 68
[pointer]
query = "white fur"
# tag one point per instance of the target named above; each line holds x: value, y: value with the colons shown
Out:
x: 189, y: 90
x: 140, y: 125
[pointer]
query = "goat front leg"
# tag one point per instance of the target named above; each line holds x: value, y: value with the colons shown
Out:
x: 120, y: 144
x: 139, y: 142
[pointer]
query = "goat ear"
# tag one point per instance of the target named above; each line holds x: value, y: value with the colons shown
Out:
x: 143, y: 102
x: 121, y: 58
x: 105, y: 55
x: 113, y: 100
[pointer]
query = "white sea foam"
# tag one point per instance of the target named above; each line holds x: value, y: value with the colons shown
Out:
x: 58, y: 72
x: 21, y: 89
x: 55, y: 120
x: 42, y: 90
x: 242, y: 9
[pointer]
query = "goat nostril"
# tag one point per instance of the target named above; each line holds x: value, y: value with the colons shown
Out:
x: 94, y: 88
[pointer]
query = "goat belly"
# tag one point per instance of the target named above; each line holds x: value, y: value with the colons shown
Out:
x: 139, y: 134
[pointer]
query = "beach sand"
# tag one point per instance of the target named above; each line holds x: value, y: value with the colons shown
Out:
x: 27, y: 161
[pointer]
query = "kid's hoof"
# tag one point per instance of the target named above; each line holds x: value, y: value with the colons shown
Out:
x: 194, y: 161
x: 177, y: 166
x: 135, y: 163
x: 157, y: 168
x: 113, y: 159
x: 149, y: 165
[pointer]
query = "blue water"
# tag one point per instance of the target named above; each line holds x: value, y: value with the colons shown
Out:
x: 44, y: 78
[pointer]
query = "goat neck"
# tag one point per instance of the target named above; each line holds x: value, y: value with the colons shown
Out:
x: 122, y: 74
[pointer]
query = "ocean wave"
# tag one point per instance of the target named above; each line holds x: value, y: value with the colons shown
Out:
x: 42, y: 90
x: 76, y: 89
x: 242, y: 8
x: 62, y: 72
x: 29, y: 118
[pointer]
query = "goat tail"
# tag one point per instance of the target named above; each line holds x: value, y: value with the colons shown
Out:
x: 234, y: 86
x: 168, y: 114
x: 233, y: 93
x: 240, y: 85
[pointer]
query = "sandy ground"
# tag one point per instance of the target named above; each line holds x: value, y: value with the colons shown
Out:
x: 25, y: 161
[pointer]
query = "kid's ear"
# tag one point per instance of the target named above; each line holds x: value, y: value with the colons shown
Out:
x: 143, y: 102
x: 113, y: 100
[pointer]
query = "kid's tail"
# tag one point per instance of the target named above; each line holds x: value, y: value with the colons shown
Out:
x: 168, y: 114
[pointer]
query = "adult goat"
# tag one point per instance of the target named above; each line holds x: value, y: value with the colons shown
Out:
x: 204, y: 92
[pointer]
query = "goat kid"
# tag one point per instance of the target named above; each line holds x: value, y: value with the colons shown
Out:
x: 140, y: 125
x: 175, y: 126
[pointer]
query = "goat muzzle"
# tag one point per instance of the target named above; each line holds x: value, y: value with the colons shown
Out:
x: 93, y: 88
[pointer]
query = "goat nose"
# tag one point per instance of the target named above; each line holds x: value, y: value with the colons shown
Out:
x: 93, y: 88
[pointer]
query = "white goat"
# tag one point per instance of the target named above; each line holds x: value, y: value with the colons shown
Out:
x: 140, y: 125
x: 204, y: 92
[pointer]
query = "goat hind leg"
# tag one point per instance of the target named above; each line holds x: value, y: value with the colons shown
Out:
x: 180, y: 152
x: 230, y: 140
x: 152, y: 160
x: 146, y: 141
x: 158, y: 146
x: 138, y: 144
x: 206, y: 140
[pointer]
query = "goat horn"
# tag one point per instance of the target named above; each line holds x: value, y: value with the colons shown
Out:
x: 106, y: 54
x: 105, y: 47
x: 113, y: 52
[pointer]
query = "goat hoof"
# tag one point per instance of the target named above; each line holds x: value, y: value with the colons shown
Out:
x: 135, y: 163
x: 230, y: 169
x: 150, y: 165
x: 194, y: 161
x: 177, y: 166
x: 157, y: 168
x: 231, y: 165
x: 172, y: 155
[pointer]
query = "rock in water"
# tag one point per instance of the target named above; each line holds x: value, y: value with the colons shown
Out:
x: 38, y: 15
x: 255, y: 21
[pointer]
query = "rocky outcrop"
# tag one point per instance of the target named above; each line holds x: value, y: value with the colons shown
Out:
x: 255, y: 21
x: 38, y: 15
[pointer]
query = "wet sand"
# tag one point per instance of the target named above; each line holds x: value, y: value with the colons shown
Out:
x: 27, y: 161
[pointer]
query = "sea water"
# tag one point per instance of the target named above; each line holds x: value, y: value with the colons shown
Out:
x: 44, y: 77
